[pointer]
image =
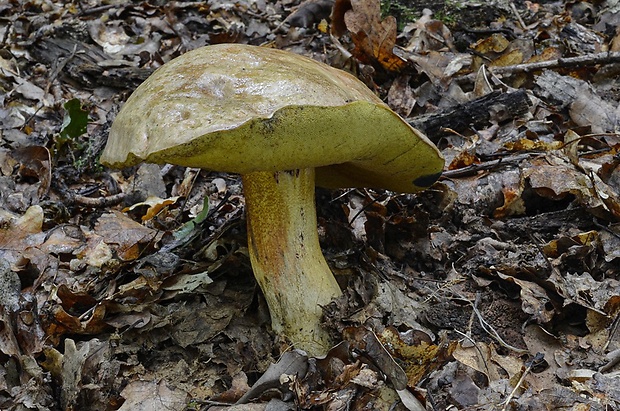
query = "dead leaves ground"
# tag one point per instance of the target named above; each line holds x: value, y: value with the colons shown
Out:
x: 496, y: 289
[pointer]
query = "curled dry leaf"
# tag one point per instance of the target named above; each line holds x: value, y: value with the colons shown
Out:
x: 154, y: 206
x: 57, y: 322
x: 554, y: 177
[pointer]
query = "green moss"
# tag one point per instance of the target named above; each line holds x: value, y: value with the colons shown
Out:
x: 404, y: 13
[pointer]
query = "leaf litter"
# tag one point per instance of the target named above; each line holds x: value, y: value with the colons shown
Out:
x: 495, y: 289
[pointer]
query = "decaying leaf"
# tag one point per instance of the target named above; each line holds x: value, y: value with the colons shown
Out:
x: 369, y: 344
x: 293, y: 363
x: 484, y: 358
x: 18, y: 233
x: 152, y: 395
x: 417, y: 360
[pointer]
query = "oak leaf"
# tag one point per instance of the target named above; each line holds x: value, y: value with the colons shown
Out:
x: 374, y: 38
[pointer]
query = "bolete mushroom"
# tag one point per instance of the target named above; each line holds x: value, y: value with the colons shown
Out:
x: 281, y: 121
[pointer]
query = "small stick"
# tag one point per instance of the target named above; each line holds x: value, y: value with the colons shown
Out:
x: 100, y: 202
x: 538, y: 357
x: 517, y: 15
x: 580, y: 61
x: 487, y: 165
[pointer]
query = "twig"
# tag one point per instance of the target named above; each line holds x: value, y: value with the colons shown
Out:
x: 530, y: 364
x: 100, y: 202
x: 491, y: 331
x: 487, y: 165
x: 580, y: 61
x: 614, y: 359
x: 517, y: 15
x: 612, y: 330
x: 96, y: 10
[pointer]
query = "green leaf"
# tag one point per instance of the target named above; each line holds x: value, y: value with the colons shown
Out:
x: 189, y: 229
x: 202, y: 215
x: 75, y: 121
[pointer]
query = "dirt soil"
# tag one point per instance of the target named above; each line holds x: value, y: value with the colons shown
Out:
x: 495, y: 289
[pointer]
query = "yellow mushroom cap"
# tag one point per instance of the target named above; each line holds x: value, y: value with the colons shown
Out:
x: 239, y: 109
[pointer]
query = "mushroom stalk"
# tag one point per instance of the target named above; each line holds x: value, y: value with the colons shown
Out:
x: 286, y: 256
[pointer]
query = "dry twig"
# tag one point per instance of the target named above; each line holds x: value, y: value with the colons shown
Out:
x: 562, y: 62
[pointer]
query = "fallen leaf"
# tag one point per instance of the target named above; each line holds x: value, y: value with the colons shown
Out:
x: 291, y: 363
x: 126, y: 237
x: 374, y: 38
x: 153, y: 395
x: 188, y: 283
x: 417, y: 360
x: 19, y: 232
x: 154, y: 205
x: 35, y: 161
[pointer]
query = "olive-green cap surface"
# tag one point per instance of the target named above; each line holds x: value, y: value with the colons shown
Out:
x: 239, y: 108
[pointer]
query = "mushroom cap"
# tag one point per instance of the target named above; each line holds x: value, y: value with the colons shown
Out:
x: 240, y: 108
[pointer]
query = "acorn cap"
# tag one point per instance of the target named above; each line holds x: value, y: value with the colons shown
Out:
x: 239, y: 108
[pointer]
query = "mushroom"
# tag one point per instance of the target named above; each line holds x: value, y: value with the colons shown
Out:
x: 281, y: 121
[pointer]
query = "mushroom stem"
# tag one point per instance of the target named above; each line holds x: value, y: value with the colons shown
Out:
x: 286, y: 256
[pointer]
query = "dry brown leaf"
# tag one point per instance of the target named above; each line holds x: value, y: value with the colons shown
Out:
x: 478, y: 357
x: 526, y: 144
x: 14, y: 230
x: 509, y: 58
x: 35, y: 162
x: 555, y: 248
x: 464, y: 159
x: 59, y: 322
x: 554, y: 177
x: 374, y: 38
x: 154, y: 206
x: 153, y: 395
x: 497, y: 43
x: 513, y: 203
x: 549, y: 53
x: 124, y: 235
x: 338, y: 26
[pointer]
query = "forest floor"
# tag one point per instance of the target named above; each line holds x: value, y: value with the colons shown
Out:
x: 496, y: 289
